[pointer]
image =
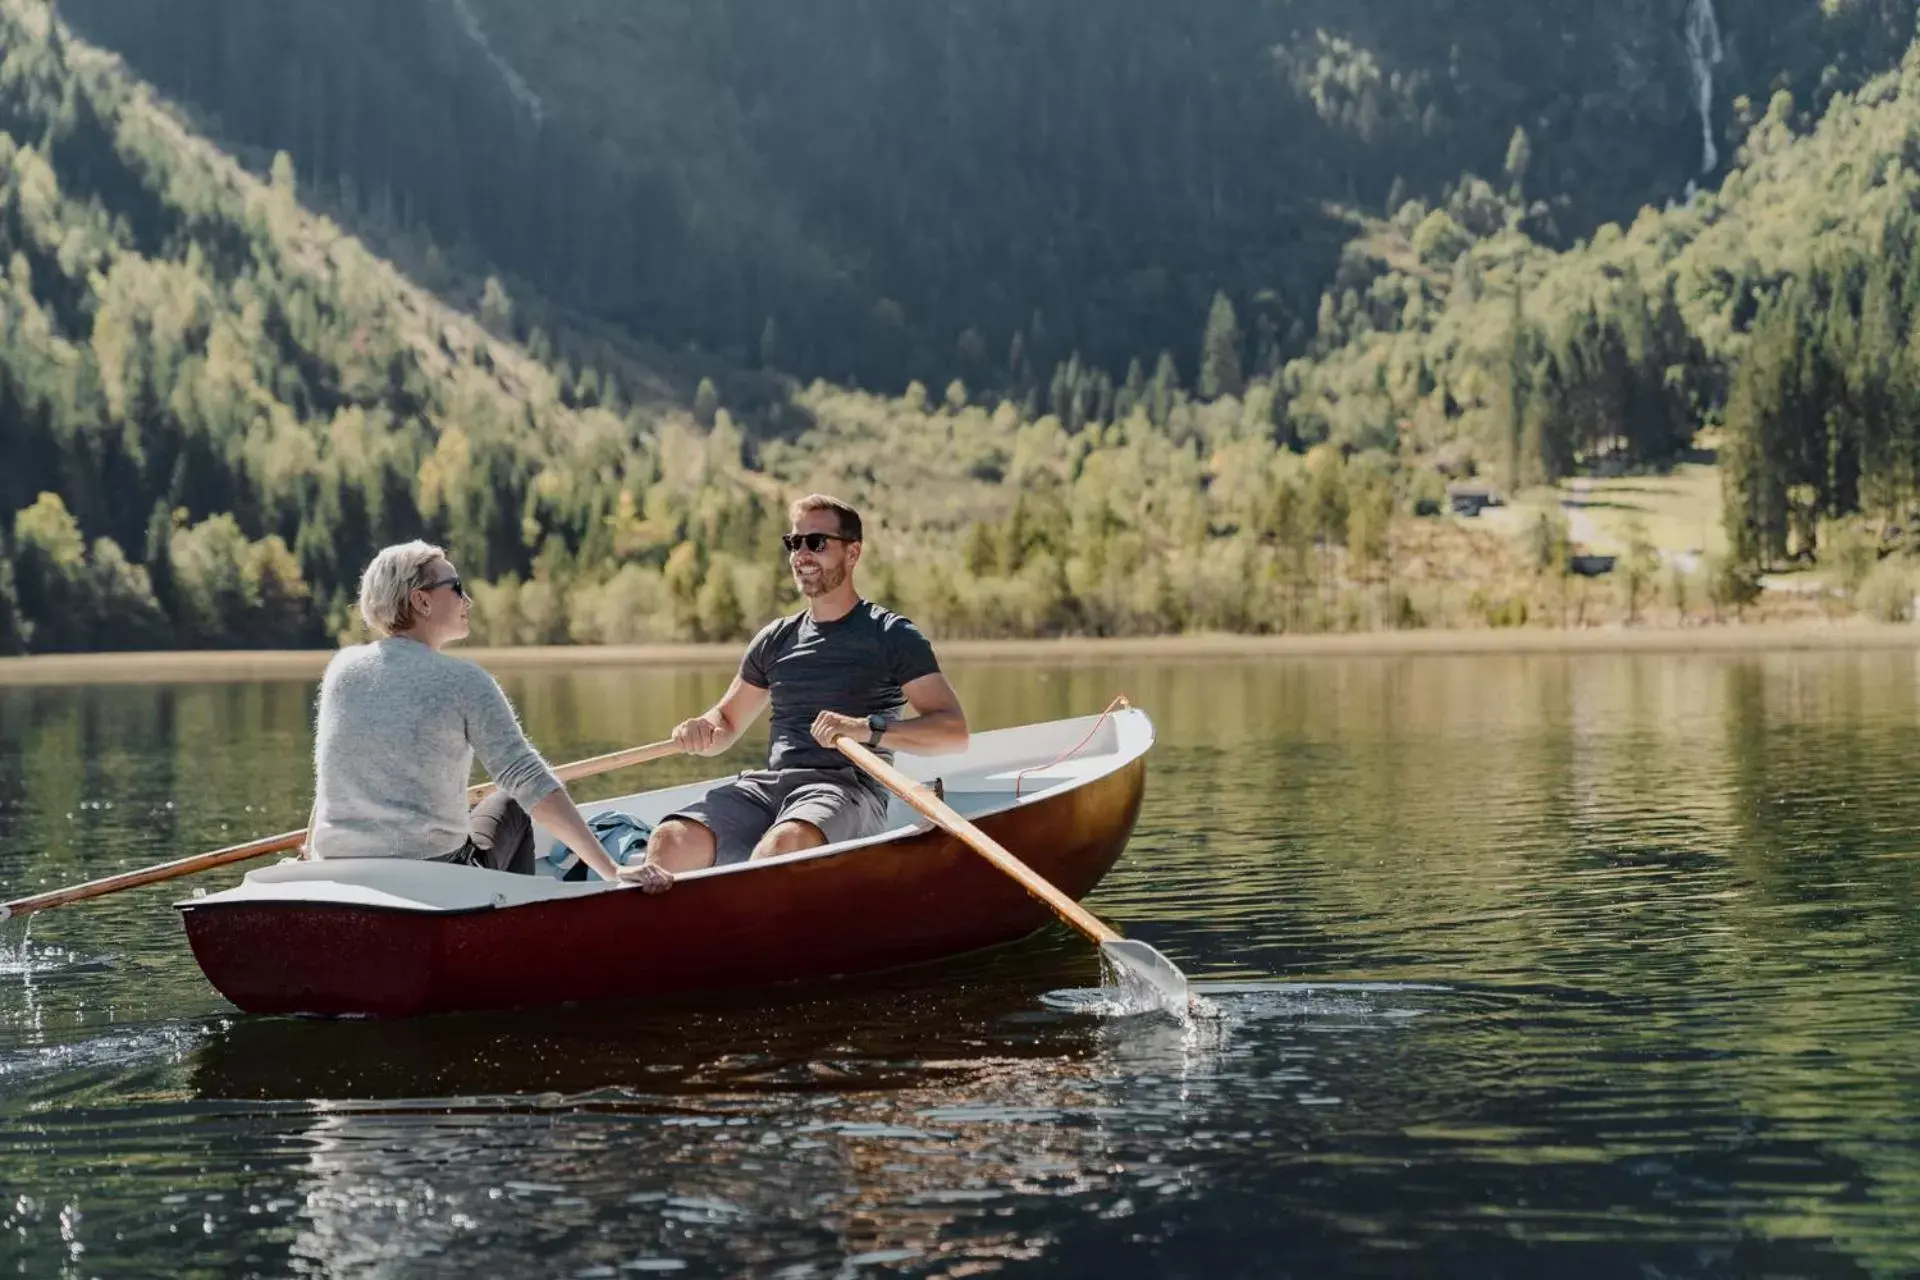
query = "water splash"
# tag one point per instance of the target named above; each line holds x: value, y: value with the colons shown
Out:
x: 14, y: 931
x: 1358, y: 1003
x: 114, y: 1051
x: 1704, y: 53
x: 19, y: 958
x: 1122, y: 993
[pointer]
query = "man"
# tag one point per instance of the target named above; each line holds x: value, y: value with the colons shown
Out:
x: 841, y: 666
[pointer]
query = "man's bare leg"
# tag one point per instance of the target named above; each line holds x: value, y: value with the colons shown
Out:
x: 789, y: 837
x: 680, y: 844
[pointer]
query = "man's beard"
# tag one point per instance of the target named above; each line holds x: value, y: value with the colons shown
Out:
x: 826, y: 582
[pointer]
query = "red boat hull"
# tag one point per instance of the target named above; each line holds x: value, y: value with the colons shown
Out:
x: 905, y: 901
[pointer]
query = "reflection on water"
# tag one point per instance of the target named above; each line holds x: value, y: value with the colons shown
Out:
x: 842, y: 1133
x: 1599, y: 965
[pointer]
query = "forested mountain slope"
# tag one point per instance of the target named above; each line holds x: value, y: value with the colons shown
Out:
x: 882, y: 191
x: 1782, y: 310
x: 236, y: 401
x: 1783, y: 307
x: 216, y: 382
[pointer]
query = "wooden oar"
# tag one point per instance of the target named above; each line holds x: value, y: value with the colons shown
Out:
x: 291, y: 839
x: 1158, y: 974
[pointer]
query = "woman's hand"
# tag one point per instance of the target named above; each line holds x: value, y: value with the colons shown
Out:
x: 650, y: 876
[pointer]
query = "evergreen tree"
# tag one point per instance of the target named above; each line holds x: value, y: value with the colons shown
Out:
x: 1756, y: 460
x: 718, y: 603
x: 772, y: 352
x: 15, y: 632
x: 50, y: 582
x: 1163, y: 391
x: 1220, y: 352
x: 122, y: 611
x: 496, y: 308
x: 1519, y: 159
x: 706, y: 402
x: 1512, y: 406
x: 1267, y: 356
x: 1132, y: 393
x: 159, y: 558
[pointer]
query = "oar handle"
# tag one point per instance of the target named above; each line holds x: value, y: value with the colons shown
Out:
x: 939, y: 811
x: 599, y: 764
x: 291, y: 839
x: 151, y: 875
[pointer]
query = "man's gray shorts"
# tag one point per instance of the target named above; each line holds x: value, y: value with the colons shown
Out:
x: 837, y: 801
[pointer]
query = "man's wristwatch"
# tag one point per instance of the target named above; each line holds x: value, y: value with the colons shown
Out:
x: 876, y: 725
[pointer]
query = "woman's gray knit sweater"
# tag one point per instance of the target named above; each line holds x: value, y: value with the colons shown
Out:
x: 399, y: 726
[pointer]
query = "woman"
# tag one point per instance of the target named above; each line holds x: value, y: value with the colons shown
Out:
x: 399, y: 725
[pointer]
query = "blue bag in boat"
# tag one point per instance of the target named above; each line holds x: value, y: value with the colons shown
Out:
x: 622, y: 835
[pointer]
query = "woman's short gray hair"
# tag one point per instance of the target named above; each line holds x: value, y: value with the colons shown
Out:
x: 386, y: 588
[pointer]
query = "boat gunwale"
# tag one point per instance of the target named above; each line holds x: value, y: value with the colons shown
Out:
x: 1124, y: 753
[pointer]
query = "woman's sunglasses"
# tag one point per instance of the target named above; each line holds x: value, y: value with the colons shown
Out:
x: 454, y: 582
x: 814, y: 542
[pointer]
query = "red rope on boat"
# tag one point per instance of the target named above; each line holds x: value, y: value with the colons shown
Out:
x: 1068, y: 754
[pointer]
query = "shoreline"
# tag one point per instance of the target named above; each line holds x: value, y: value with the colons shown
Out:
x: 226, y: 666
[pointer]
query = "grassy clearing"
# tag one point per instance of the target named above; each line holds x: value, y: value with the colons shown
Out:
x: 1679, y: 510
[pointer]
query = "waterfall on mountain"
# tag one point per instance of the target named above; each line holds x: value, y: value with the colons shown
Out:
x: 1704, y: 53
x: 515, y: 82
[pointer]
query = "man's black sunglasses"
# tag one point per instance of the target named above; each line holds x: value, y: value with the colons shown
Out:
x: 814, y: 542
x: 454, y: 582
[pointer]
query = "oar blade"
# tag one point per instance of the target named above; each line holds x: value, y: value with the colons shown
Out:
x: 1150, y: 975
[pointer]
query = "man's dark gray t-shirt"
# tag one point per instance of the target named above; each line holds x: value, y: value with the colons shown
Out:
x: 855, y: 665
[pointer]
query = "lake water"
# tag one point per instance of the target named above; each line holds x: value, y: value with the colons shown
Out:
x: 1579, y: 966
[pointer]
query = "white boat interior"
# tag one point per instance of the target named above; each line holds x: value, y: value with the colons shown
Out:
x: 1001, y: 769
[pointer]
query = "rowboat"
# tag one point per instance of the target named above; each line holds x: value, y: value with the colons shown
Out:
x: 377, y: 937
